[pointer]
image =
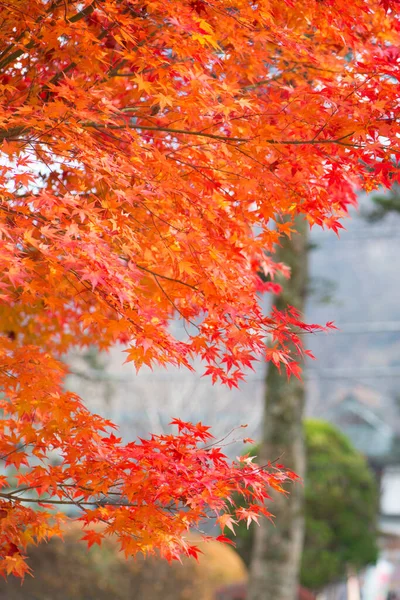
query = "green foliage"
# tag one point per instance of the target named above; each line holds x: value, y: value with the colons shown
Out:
x: 341, y: 498
x: 341, y: 505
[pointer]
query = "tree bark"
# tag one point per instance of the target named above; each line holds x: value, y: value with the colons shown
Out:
x: 277, y: 547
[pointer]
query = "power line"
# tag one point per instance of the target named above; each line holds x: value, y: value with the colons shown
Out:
x: 349, y: 373
x: 367, y: 327
x: 354, y: 237
x: 328, y: 373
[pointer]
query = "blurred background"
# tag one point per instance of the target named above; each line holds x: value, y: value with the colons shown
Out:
x: 352, y: 432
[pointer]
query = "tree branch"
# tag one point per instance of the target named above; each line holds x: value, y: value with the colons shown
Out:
x: 167, y: 278
x: 221, y: 138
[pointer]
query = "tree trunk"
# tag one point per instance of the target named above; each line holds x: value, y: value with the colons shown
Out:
x: 277, y: 547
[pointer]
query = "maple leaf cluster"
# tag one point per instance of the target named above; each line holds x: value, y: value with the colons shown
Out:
x: 152, y: 154
x: 147, y: 493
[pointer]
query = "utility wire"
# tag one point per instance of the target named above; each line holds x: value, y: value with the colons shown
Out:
x: 365, y: 327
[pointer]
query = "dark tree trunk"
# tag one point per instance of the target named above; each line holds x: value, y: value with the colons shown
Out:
x: 277, y: 547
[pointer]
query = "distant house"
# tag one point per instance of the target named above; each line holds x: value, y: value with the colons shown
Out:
x: 368, y: 431
x: 374, y: 432
x: 390, y: 501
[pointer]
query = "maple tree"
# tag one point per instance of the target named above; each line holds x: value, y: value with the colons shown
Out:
x: 152, y: 154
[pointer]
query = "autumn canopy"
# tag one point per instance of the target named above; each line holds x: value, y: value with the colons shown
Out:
x: 152, y: 153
